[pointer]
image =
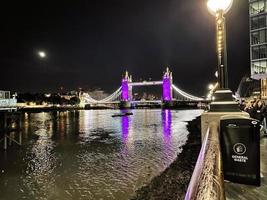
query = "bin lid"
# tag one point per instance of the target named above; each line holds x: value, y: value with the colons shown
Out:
x: 225, y: 117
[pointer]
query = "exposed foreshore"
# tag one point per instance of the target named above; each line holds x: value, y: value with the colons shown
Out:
x: 172, y: 183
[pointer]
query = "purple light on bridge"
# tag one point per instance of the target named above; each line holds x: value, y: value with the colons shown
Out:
x: 166, y: 89
x: 125, y: 90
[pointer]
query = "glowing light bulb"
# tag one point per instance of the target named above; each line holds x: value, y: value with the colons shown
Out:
x: 216, y: 5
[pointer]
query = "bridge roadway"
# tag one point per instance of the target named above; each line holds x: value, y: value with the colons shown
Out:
x: 147, y: 101
x: 145, y: 83
x: 133, y: 102
x: 235, y: 191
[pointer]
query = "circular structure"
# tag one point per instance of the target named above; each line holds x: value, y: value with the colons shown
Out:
x: 239, y: 148
x: 219, y: 5
x: 41, y: 54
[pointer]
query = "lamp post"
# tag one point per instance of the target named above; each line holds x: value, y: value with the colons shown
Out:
x: 218, y: 8
x: 223, y: 99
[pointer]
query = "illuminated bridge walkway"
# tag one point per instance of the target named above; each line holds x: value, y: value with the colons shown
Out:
x: 124, y: 93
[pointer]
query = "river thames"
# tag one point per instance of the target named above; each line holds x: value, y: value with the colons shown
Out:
x: 90, y: 155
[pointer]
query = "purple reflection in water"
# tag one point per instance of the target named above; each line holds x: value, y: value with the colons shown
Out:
x: 125, y: 128
x: 167, y: 123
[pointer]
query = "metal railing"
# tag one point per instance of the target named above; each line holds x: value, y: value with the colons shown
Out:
x: 207, y: 181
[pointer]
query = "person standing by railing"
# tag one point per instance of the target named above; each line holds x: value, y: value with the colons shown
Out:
x: 264, y: 113
x: 249, y: 107
x: 258, y: 110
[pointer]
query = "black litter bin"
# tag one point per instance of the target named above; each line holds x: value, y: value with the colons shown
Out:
x: 240, y: 146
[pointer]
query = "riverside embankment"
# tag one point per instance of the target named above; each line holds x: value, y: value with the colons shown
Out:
x: 172, y: 183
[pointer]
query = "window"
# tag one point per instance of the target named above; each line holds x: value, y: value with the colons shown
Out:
x: 255, y: 38
x: 253, y: 8
x: 262, y: 51
x: 258, y: 22
x: 262, y: 36
x: 259, y: 67
x: 261, y: 7
x: 261, y: 21
x: 257, y: 7
x: 258, y: 37
x: 259, y: 52
x: 264, y: 87
x: 254, y: 23
x: 255, y: 53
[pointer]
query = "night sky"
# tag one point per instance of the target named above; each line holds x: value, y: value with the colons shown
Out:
x: 90, y: 44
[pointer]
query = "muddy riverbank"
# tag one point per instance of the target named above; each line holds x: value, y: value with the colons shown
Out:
x: 172, y: 183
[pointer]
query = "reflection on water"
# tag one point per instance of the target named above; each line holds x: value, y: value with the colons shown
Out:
x: 167, y: 122
x: 125, y: 128
x: 90, y: 155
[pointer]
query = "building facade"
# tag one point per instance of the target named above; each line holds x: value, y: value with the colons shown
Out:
x: 258, y: 42
x: 6, y: 102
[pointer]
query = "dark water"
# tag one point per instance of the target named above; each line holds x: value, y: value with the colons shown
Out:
x: 90, y: 155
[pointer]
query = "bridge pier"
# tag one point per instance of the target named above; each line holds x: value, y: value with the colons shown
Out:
x: 167, y: 104
x: 10, y: 125
x: 125, y: 104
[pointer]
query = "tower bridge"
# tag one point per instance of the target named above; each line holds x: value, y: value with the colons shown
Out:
x: 123, y: 95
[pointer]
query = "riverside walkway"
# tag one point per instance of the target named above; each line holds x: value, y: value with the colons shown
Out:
x: 245, y: 192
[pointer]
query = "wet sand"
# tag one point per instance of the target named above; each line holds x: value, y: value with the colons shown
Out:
x: 172, y: 183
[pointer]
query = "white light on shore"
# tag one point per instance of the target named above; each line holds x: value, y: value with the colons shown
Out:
x: 209, y: 96
x: 210, y: 86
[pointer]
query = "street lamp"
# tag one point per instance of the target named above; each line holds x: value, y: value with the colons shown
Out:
x: 222, y: 95
x: 218, y: 8
x: 217, y: 5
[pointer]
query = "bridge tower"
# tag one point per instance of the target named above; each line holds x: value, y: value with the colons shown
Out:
x: 167, y: 86
x: 126, y: 91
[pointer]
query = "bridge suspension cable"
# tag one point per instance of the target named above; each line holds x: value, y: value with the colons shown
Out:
x: 186, y: 95
x: 110, y: 98
x: 116, y: 96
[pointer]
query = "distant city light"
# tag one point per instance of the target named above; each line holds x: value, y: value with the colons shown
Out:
x: 41, y: 54
x: 211, y: 86
x: 216, y: 74
x: 209, y: 96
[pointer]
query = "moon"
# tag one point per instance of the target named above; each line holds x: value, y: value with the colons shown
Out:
x: 41, y: 54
